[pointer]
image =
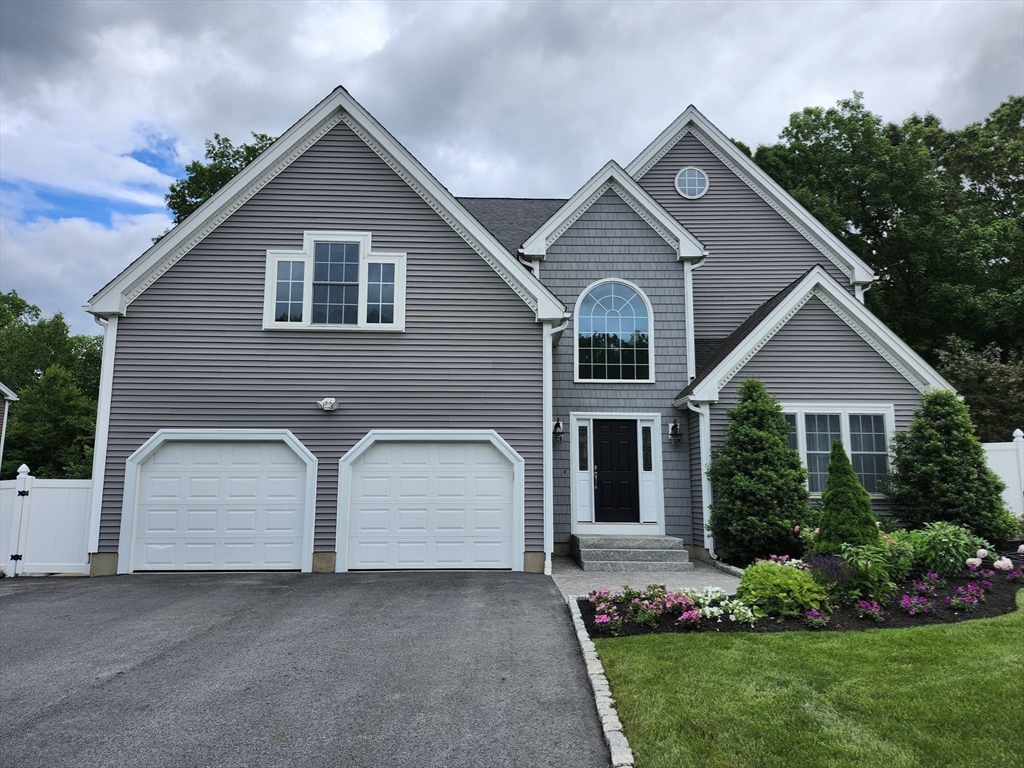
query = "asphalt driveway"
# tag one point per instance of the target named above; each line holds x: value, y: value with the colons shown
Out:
x: 363, y: 669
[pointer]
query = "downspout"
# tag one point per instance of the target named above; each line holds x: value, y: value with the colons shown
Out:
x: 3, y: 430
x: 99, y: 454
x: 691, y: 352
x: 549, y: 494
x: 703, y: 411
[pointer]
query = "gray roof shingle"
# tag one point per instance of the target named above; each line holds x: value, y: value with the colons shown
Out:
x: 511, y: 219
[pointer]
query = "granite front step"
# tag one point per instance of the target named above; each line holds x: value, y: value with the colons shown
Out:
x: 635, y: 566
x: 606, y: 541
x: 635, y: 555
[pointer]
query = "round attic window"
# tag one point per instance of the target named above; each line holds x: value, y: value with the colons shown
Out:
x: 691, y: 183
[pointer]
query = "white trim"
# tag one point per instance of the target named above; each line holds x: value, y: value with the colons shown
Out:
x: 818, y: 283
x: 306, y: 256
x: 843, y: 409
x: 8, y: 394
x: 692, y: 121
x: 612, y: 176
x: 587, y: 418
x: 133, y: 472
x: 576, y: 335
x: 339, y: 106
x: 702, y: 172
x: 99, y: 455
x: 430, y: 436
x: 703, y: 411
x: 547, y: 422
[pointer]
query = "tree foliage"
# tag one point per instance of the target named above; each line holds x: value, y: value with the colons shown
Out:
x: 56, y: 377
x: 224, y: 161
x: 758, y: 480
x: 939, y: 215
x: 992, y: 387
x: 846, y: 515
x: 939, y: 472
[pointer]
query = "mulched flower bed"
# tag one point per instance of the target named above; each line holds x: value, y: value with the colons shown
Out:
x: 999, y: 599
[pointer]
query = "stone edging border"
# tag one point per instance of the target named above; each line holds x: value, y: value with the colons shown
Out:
x: 730, y: 569
x: 618, y: 745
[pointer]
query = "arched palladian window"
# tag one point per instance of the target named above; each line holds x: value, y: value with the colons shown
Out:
x: 613, y: 334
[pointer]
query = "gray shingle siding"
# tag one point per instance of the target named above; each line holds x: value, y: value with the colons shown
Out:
x: 754, y: 251
x: 696, y: 489
x: 817, y: 357
x: 610, y: 240
x: 191, y: 351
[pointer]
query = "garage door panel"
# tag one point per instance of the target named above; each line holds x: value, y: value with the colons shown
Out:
x: 426, y: 505
x: 214, y: 506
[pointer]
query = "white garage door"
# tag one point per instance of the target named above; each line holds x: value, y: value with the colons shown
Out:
x: 431, y: 505
x: 208, y: 505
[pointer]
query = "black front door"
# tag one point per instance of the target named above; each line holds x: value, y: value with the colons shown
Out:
x: 616, y: 479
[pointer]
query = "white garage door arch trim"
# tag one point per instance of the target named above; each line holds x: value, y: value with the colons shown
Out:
x: 133, y: 466
x: 431, y: 436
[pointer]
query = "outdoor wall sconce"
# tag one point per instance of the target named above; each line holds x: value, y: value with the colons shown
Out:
x: 557, y: 432
x: 327, y: 404
x: 674, y: 433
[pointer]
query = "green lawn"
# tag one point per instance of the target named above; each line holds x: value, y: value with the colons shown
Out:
x: 948, y: 695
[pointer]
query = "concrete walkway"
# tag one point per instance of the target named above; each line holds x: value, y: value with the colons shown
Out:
x: 261, y: 669
x: 572, y: 580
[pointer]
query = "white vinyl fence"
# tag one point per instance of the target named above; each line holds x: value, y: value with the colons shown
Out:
x: 1007, y: 461
x: 46, y: 522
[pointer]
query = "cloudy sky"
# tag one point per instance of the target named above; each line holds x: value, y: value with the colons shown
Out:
x: 103, y: 103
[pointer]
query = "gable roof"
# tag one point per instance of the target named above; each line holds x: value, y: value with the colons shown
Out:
x: 693, y: 122
x: 614, y: 177
x: 338, y: 107
x: 511, y: 220
x: 7, y: 393
x: 769, y: 319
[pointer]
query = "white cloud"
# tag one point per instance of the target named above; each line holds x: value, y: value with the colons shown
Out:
x: 58, y: 265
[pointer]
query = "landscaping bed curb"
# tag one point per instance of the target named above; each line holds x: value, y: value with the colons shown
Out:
x: 732, y: 570
x: 618, y: 745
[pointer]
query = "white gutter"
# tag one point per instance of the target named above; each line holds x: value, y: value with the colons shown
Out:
x: 99, y: 454
x: 691, y: 352
x: 549, y: 494
x: 703, y: 411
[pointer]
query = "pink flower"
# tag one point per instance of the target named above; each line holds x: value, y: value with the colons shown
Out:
x: 1020, y: 549
x: 796, y: 528
x: 982, y: 554
x: 601, y: 619
x: 1003, y: 564
x: 817, y: 529
x: 974, y: 562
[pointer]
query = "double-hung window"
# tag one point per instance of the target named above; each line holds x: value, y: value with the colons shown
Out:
x: 335, y: 282
x: 864, y: 430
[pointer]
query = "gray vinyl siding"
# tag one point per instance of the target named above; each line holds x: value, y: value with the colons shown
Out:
x: 754, y: 251
x: 817, y: 357
x: 191, y: 351
x: 610, y: 240
x: 696, y: 489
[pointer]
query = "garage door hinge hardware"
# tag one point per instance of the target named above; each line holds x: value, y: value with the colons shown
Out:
x: 23, y: 493
x: 15, y: 557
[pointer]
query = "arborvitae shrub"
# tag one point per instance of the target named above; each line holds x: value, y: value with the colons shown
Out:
x: 846, y: 516
x: 939, y: 472
x: 758, y: 480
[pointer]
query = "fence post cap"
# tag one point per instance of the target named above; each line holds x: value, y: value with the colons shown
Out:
x: 23, y: 470
x: 1018, y: 434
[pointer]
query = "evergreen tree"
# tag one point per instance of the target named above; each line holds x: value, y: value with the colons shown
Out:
x: 846, y: 515
x: 759, y: 481
x: 939, y: 472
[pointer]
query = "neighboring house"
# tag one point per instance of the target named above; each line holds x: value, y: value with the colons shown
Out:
x: 335, y: 364
x: 9, y: 397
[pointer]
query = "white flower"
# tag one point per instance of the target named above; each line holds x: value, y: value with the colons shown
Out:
x: 974, y: 562
x: 1003, y: 564
x: 1020, y: 549
x: 982, y: 554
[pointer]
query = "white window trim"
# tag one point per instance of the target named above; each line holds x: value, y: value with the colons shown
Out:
x: 844, y: 410
x: 367, y: 256
x: 581, y: 486
x: 576, y: 335
x: 707, y: 182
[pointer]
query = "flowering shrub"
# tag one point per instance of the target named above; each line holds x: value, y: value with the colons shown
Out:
x: 816, y: 619
x: 966, y: 598
x: 917, y: 604
x: 869, y: 609
x: 786, y: 560
x: 941, y: 547
x: 645, y: 608
x: 929, y: 585
x: 1016, y: 575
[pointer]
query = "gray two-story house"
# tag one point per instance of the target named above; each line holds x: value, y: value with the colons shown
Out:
x: 335, y: 364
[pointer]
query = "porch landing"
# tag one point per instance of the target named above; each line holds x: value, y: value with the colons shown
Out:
x: 573, y: 580
x: 605, y: 552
